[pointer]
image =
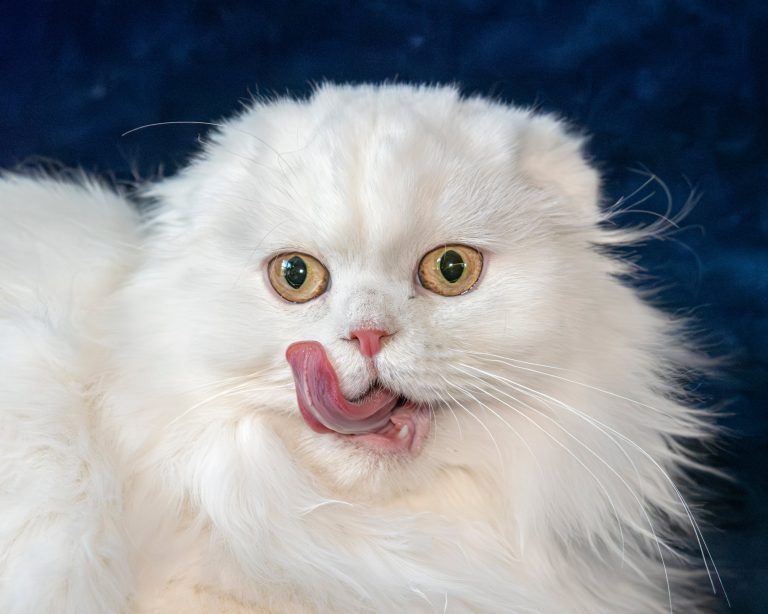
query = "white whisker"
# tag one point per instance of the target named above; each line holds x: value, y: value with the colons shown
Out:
x: 706, y: 555
x: 599, y: 482
x: 480, y: 422
x: 701, y: 542
x: 225, y: 380
x: 608, y: 466
x: 508, y: 425
x: 218, y: 395
x: 516, y: 360
x: 507, y: 362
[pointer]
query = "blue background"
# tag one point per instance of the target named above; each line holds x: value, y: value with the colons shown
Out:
x: 678, y: 88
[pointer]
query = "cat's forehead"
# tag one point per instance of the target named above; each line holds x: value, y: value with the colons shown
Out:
x: 382, y: 176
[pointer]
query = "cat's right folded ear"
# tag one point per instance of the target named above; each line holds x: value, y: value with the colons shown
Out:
x: 552, y: 159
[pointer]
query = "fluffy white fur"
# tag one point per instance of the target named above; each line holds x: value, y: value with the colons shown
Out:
x: 152, y: 457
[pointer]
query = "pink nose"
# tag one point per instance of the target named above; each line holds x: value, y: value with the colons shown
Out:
x: 369, y: 339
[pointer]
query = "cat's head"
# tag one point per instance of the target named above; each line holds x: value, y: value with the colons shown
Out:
x: 377, y: 253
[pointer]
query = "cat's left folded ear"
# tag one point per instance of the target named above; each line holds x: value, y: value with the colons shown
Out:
x: 552, y: 158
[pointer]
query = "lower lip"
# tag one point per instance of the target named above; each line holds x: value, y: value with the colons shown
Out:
x: 378, y: 442
x: 389, y: 442
x: 385, y: 441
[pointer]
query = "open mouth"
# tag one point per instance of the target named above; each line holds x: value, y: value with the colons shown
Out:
x: 380, y: 419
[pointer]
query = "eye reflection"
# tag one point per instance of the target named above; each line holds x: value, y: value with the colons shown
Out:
x: 294, y: 271
x: 452, y: 266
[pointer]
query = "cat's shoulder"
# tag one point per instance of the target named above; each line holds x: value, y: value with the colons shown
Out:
x: 63, y: 240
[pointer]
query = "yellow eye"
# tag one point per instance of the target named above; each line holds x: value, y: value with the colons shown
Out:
x: 297, y: 277
x: 450, y: 270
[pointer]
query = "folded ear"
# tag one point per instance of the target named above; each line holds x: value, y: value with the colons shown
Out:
x: 552, y: 159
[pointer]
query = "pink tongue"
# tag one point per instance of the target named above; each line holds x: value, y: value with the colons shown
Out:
x: 320, y: 399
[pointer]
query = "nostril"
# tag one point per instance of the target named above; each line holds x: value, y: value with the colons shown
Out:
x: 369, y: 340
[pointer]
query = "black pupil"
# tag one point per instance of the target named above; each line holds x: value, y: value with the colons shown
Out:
x: 452, y: 266
x: 295, y: 271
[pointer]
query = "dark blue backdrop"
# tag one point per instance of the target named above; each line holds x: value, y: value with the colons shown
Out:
x: 680, y: 88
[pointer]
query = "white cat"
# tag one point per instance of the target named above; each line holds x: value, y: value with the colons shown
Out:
x: 368, y: 353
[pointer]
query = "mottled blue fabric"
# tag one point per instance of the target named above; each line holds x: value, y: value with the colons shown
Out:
x: 678, y: 89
